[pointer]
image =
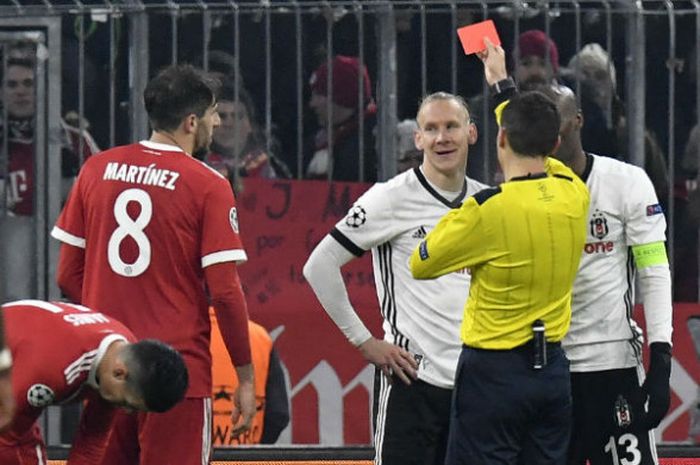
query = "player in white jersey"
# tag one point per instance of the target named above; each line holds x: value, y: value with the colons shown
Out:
x: 421, y: 345
x: 626, y: 238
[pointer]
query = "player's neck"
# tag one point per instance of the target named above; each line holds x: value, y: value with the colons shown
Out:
x: 451, y: 181
x: 108, y: 359
x: 173, y: 138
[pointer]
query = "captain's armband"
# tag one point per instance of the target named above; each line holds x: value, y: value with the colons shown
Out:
x: 646, y: 255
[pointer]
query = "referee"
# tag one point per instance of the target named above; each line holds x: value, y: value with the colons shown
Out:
x: 522, y: 242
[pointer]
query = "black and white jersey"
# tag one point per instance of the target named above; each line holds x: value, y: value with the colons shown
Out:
x: 624, y: 212
x: 423, y: 317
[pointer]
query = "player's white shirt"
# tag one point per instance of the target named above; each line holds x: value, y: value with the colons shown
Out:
x: 624, y: 211
x: 422, y: 316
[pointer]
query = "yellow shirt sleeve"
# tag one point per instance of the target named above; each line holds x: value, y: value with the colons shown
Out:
x: 453, y: 245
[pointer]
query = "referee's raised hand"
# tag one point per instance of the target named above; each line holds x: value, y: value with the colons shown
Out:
x: 391, y: 359
x: 494, y: 59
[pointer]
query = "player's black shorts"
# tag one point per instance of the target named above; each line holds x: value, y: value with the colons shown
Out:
x: 596, y: 436
x: 412, y: 422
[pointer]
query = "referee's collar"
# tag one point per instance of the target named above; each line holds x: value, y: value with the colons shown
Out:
x: 529, y: 176
x: 456, y: 203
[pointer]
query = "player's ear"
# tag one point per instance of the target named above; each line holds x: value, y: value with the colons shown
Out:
x: 418, y: 139
x: 501, y: 139
x: 473, y: 134
x: 190, y: 123
x: 120, y: 371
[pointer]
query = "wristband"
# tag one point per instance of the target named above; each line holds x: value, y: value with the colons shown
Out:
x: 501, y: 86
x: 5, y: 359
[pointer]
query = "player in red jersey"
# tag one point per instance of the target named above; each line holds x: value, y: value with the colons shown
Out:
x: 145, y: 228
x: 7, y: 402
x: 66, y: 352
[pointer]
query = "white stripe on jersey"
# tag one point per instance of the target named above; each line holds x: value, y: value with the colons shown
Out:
x: 68, y: 238
x: 81, y: 364
x: 35, y: 303
x: 238, y: 256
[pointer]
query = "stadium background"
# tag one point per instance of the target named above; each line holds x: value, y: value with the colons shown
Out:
x: 96, y: 57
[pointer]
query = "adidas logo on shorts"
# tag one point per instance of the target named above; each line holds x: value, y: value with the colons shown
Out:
x: 419, y: 233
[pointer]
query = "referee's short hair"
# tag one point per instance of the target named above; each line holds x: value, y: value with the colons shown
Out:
x: 531, y: 123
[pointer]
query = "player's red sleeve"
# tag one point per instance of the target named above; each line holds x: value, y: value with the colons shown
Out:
x: 231, y: 310
x: 71, y: 265
x: 91, y: 437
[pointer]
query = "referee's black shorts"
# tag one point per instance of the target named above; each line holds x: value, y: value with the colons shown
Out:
x: 412, y: 422
x: 596, y: 437
x: 506, y: 412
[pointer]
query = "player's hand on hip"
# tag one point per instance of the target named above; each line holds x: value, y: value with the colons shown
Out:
x: 243, y: 401
x: 391, y: 359
x: 494, y: 59
x: 656, y: 387
x: 7, y: 400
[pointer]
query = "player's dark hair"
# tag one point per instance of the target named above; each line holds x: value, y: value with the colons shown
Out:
x: 435, y: 96
x: 157, y: 374
x: 175, y: 93
x: 531, y: 122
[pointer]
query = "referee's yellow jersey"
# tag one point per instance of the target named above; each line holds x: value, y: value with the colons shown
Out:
x: 522, y: 242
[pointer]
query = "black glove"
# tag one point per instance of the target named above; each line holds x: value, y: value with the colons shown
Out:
x: 656, y: 387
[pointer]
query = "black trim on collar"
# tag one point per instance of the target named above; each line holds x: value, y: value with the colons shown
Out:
x: 588, y: 168
x: 347, y: 243
x: 483, y: 195
x: 528, y: 177
x: 456, y: 203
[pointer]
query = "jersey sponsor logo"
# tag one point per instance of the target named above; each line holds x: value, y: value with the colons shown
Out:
x: 357, y: 216
x: 654, y: 209
x: 146, y: 175
x: 233, y: 219
x: 599, y: 247
x: 79, y: 319
x: 17, y: 187
x: 599, y: 225
x: 40, y: 395
x: 419, y: 233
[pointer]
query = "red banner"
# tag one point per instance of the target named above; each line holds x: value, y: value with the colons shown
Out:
x: 330, y: 385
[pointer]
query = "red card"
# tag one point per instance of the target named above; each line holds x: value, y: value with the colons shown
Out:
x: 472, y: 36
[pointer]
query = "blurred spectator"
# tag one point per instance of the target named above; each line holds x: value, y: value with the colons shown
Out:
x: 605, y: 131
x: 238, y: 145
x: 271, y: 396
x: 536, y: 64
x: 408, y: 156
x: 537, y: 60
x: 344, y: 118
x: 19, y: 97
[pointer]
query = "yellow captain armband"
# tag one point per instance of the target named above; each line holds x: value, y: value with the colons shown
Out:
x: 649, y: 254
x: 498, y: 111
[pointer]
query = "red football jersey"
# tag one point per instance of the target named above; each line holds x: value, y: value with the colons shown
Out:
x: 150, y: 219
x: 56, y: 348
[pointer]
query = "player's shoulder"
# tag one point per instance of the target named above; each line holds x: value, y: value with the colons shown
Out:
x: 616, y: 173
x: 474, y: 186
x: 396, y: 187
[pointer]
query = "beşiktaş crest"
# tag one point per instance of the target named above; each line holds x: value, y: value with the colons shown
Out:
x: 599, y: 225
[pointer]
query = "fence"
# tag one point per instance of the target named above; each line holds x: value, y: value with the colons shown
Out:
x: 94, y: 57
